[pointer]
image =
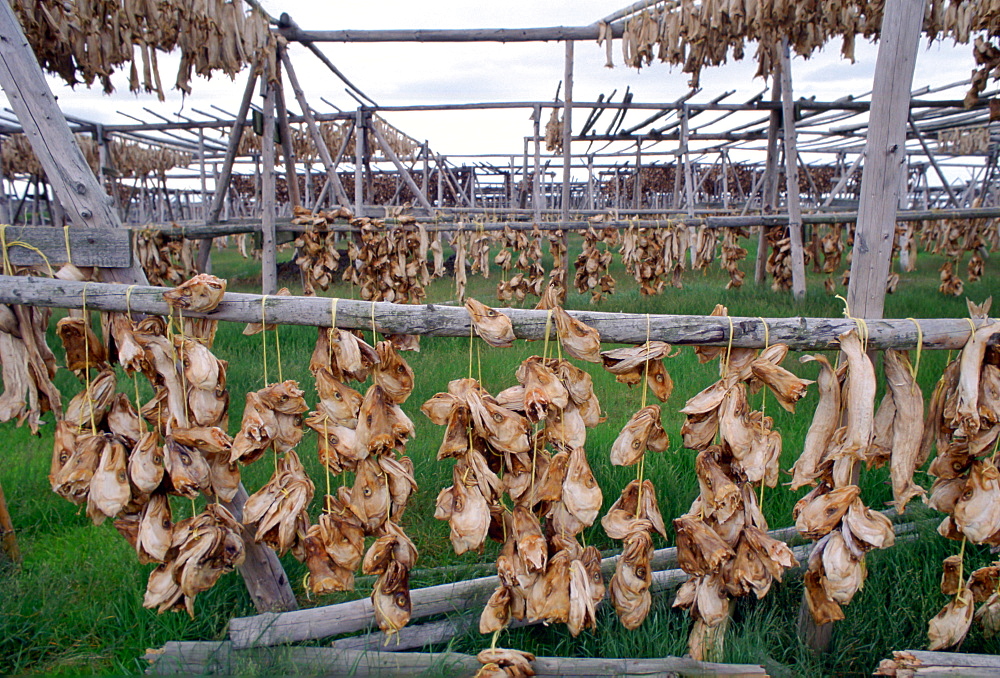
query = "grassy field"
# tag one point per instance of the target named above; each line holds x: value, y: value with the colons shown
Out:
x: 74, y: 605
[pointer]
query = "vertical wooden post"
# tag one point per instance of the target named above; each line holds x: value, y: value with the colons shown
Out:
x: 637, y: 186
x: 405, y: 173
x: 224, y: 176
x: 269, y: 255
x: 8, y: 538
x: 567, y: 130
x: 440, y: 182
x: 359, y: 153
x: 590, y: 182
x: 688, y: 169
x: 770, y: 181
x: 201, y: 173
x: 425, y: 176
x: 536, y: 180
x: 885, y: 156
x: 291, y: 175
x: 792, y: 178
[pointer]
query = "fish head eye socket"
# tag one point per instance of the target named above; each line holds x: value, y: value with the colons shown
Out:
x: 367, y: 491
x: 369, y: 419
x: 636, y: 444
x: 401, y: 599
x: 640, y: 572
x: 401, y: 369
x: 334, y: 440
x: 165, y: 523
x: 63, y: 458
x: 283, y: 397
x: 497, y: 417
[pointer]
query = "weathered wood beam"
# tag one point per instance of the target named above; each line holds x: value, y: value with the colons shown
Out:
x: 453, y: 321
x: 291, y: 174
x: 934, y: 163
x: 268, y: 246
x: 403, y: 172
x: 75, y: 185
x: 222, y: 658
x: 226, y: 173
x: 314, y: 132
x: 792, y: 199
x: 87, y: 246
x: 452, y: 35
x: 885, y: 156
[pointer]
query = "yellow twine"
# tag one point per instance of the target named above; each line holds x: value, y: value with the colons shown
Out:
x: 729, y: 347
x: 329, y: 332
x: 915, y: 367
x: 767, y: 344
x: 548, y: 329
x: 135, y: 375
x: 86, y: 346
x: 7, y: 268
x: 326, y: 462
x: 263, y: 334
x: 69, y: 254
x: 860, y: 322
x: 972, y: 333
x: 472, y: 335
x: 277, y: 349
x: 374, y: 337
x: 641, y: 467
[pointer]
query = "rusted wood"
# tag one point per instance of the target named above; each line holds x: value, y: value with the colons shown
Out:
x: 221, y: 658
x: 8, y: 538
x: 453, y: 321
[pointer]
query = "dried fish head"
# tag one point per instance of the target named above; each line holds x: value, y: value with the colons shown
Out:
x: 580, y: 340
x: 580, y: 492
x: 699, y: 549
x: 633, y: 440
x: 370, y: 499
x: 950, y: 626
x: 392, y: 373
x: 542, y: 388
x: 843, y: 573
x: 532, y: 550
x: 83, y: 349
x: 145, y: 464
x: 872, y: 529
x: 503, y: 429
x: 788, y: 388
x: 123, y: 420
x: 391, y: 598
x: 155, y: 529
x: 186, y: 467
x: 818, y: 513
x: 721, y: 495
x: 109, y: 488
x: 494, y: 327
x: 200, y: 294
x: 977, y: 511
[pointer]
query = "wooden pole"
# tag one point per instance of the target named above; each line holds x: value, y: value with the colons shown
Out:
x: 770, y: 181
x: 637, y: 187
x: 314, y: 132
x: 359, y: 152
x: 405, y: 173
x: 269, y: 254
x: 201, y: 174
x: 291, y: 176
x: 8, y: 538
x: 567, y: 129
x: 792, y: 178
x: 224, y: 176
x: 885, y: 156
x: 52, y: 141
x: 930, y: 156
x: 536, y: 180
x: 688, y: 169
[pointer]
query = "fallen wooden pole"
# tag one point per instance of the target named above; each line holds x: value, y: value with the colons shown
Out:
x: 453, y: 321
x: 222, y: 658
x: 319, y: 622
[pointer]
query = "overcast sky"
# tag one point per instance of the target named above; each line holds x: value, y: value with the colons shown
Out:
x: 410, y: 73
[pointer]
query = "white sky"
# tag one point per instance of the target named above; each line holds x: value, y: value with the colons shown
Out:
x: 410, y: 73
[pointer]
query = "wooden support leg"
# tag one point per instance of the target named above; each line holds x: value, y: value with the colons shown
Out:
x: 8, y: 539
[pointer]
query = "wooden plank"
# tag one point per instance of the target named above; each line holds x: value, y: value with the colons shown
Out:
x: 262, y: 572
x: 8, y: 537
x: 268, y: 248
x: 75, y: 185
x: 885, y: 156
x: 199, y: 657
x: 792, y: 177
x: 87, y: 246
x: 967, y: 659
x: 453, y: 35
x: 451, y: 321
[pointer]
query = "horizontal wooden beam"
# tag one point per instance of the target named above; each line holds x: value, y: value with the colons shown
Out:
x: 436, y: 320
x: 666, y: 219
x: 221, y: 658
x: 34, y: 246
x: 293, y: 33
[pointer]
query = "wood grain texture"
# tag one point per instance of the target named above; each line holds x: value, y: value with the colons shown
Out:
x: 798, y: 264
x: 216, y: 658
x: 75, y: 185
x: 885, y: 156
x: 105, y: 248
x: 268, y: 247
x: 453, y: 321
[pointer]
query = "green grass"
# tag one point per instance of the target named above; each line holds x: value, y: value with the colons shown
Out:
x: 74, y: 605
